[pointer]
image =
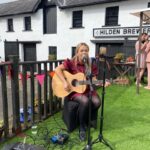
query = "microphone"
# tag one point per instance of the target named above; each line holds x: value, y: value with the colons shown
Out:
x: 85, y: 62
x: 84, y: 59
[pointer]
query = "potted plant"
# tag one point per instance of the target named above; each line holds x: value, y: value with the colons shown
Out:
x: 130, y: 59
x: 118, y: 57
x: 52, y: 57
x: 1, y: 128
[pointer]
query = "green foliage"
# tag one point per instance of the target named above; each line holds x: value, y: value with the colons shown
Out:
x: 119, y: 56
x: 52, y: 57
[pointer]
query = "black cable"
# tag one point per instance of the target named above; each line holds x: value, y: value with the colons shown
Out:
x: 59, y: 126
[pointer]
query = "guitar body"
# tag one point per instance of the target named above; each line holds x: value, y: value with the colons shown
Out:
x: 58, y: 87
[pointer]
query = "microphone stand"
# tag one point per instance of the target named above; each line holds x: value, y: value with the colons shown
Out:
x: 89, y: 144
x: 100, y: 136
x: 89, y: 79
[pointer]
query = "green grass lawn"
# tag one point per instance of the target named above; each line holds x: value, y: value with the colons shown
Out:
x: 126, y: 122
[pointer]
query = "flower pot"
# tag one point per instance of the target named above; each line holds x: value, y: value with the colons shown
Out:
x: 117, y: 60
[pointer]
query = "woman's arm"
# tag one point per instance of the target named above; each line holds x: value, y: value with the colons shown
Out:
x: 147, y: 48
x: 59, y: 71
x: 143, y: 46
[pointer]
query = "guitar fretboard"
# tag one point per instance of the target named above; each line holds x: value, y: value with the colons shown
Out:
x: 85, y: 82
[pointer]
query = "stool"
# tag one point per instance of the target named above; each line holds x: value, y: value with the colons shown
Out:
x: 70, y: 115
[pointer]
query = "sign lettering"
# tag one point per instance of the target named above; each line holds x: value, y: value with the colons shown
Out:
x: 122, y: 31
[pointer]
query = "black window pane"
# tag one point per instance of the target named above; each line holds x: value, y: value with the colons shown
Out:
x: 148, y: 4
x: 52, y: 53
x: 10, y: 25
x: 27, y: 23
x: 77, y: 18
x: 112, y: 16
x: 73, y: 51
x: 50, y: 21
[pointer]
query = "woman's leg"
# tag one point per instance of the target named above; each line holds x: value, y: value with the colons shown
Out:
x: 148, y: 72
x: 83, y: 109
x: 141, y: 74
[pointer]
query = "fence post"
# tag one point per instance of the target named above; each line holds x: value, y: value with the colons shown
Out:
x: 16, y: 128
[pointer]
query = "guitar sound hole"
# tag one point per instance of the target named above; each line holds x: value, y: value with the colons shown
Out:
x: 74, y: 82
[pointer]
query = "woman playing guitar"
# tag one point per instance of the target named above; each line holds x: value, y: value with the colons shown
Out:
x: 74, y: 66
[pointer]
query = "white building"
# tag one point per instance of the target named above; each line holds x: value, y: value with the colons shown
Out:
x: 35, y: 29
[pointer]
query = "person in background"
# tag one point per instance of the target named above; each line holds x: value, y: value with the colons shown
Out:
x: 147, y: 50
x: 141, y: 57
x: 73, y: 66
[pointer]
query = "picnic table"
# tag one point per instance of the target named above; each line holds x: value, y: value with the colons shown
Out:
x: 123, y: 69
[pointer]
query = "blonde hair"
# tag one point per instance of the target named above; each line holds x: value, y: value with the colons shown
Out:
x: 75, y: 58
x: 81, y: 44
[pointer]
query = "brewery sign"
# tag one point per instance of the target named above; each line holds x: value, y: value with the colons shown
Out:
x: 120, y: 31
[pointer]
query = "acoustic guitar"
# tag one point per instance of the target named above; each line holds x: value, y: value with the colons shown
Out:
x: 77, y: 82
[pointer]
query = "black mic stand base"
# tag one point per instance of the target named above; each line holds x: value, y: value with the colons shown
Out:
x: 102, y: 140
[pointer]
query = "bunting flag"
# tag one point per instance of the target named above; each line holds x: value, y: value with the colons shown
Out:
x: 9, y: 72
x: 40, y: 78
x: 51, y: 73
x: 21, y: 76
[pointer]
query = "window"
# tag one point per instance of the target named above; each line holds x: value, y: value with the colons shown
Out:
x: 50, y: 20
x: 77, y: 19
x: 52, y: 53
x: 10, y: 25
x: 73, y: 51
x: 27, y: 23
x: 111, y: 16
x: 148, y: 5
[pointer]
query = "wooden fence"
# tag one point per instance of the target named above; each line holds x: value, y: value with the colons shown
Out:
x: 23, y: 96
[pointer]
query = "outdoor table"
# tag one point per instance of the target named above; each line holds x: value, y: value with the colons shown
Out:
x: 123, y: 69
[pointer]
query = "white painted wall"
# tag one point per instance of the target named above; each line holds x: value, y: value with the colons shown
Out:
x: 66, y: 38
x: 18, y: 22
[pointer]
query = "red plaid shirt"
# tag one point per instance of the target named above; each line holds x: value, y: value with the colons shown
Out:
x: 73, y: 69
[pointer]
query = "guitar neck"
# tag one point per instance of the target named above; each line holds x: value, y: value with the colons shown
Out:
x: 85, y: 82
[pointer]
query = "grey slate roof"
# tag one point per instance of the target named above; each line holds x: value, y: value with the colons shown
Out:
x: 77, y: 3
x: 30, y: 6
x: 18, y: 7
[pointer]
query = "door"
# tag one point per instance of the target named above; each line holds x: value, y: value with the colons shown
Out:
x: 29, y: 52
x: 11, y: 48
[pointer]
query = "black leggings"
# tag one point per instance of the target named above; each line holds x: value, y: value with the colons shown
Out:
x: 83, y: 108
